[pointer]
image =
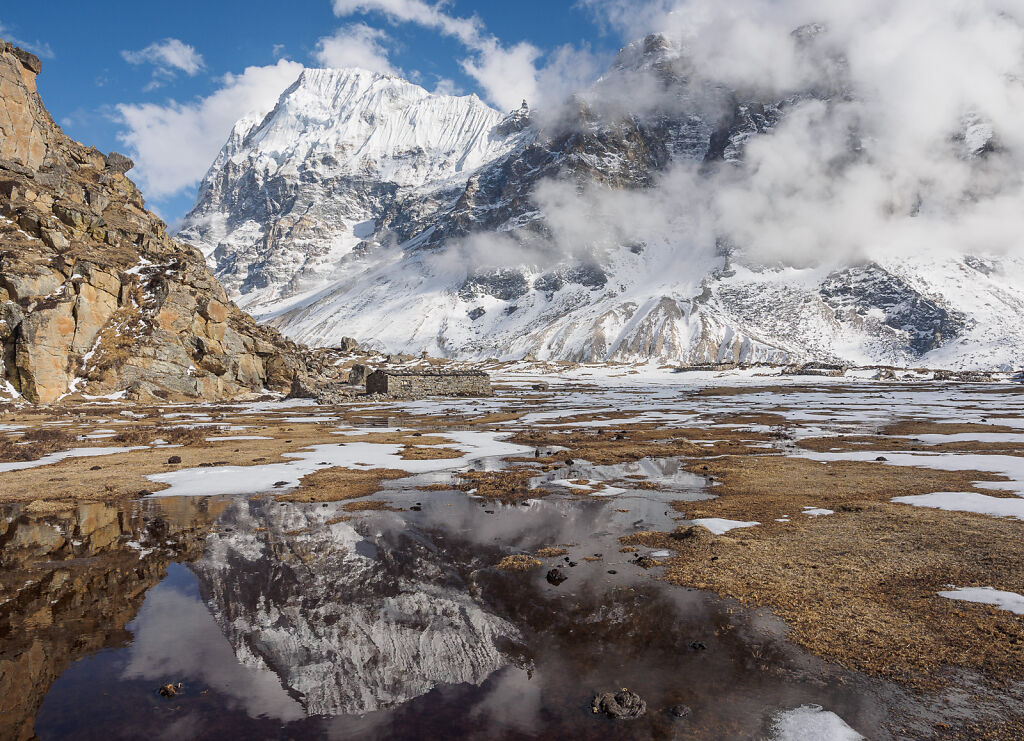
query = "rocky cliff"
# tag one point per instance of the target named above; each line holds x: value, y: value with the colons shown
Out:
x: 95, y: 297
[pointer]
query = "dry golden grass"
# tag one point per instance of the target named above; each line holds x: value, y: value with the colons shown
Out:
x: 495, y: 418
x: 337, y: 484
x: 34, y: 444
x: 901, y: 444
x: 859, y: 587
x: 519, y: 562
x: 616, y: 445
x: 550, y: 552
x: 928, y: 427
x: 766, y: 487
x: 369, y: 507
x: 510, y: 485
x: 417, y: 453
x: 145, y: 435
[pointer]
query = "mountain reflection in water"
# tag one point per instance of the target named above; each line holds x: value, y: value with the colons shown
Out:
x: 303, y: 620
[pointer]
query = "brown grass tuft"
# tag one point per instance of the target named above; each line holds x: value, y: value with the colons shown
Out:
x: 34, y: 444
x: 337, y: 484
x: 519, y: 562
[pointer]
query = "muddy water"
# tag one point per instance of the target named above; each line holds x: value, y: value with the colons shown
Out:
x: 302, y: 620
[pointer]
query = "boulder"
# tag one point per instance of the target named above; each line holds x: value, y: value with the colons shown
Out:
x: 93, y: 307
x: 119, y: 163
x: 41, y: 356
x: 28, y: 60
x: 213, y: 310
x: 622, y: 705
x: 357, y: 375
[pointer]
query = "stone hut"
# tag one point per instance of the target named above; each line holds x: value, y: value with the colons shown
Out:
x: 427, y: 382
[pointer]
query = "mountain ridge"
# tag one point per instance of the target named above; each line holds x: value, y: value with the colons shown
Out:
x: 577, y: 240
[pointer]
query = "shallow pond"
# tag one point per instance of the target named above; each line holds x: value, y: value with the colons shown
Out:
x: 304, y: 620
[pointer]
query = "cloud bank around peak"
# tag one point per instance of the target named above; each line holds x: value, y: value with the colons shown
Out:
x: 899, y: 130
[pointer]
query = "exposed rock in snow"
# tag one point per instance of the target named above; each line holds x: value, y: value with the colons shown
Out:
x: 364, y: 206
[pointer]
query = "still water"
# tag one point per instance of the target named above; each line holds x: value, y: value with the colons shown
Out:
x: 284, y: 620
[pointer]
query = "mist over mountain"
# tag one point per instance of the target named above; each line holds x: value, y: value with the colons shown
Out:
x: 772, y: 181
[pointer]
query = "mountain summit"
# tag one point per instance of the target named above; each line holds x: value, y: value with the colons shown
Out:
x: 323, y: 174
x: 641, y: 220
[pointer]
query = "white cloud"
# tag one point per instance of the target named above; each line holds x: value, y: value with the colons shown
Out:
x: 168, y: 57
x: 886, y: 165
x: 356, y: 45
x: 469, y: 31
x: 174, y: 143
x: 506, y: 74
x: 446, y: 86
x: 39, y: 48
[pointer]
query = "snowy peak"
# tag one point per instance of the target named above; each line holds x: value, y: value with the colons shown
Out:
x: 293, y: 195
x: 357, y: 122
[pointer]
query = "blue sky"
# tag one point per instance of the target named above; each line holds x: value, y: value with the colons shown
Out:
x: 149, y: 79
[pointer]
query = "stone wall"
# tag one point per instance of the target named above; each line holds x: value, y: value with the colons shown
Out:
x: 416, y: 384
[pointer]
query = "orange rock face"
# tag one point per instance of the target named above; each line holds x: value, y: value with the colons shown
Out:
x: 95, y: 297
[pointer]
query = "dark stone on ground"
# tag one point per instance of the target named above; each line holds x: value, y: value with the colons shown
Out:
x: 621, y: 705
x: 679, y: 711
x: 556, y: 576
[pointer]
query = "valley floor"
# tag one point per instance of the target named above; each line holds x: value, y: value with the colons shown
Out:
x: 762, y: 558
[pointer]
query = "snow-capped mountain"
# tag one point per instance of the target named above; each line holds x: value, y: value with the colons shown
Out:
x: 292, y: 195
x: 364, y: 206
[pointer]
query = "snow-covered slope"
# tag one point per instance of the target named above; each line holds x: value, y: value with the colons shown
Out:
x: 363, y: 206
x: 290, y: 196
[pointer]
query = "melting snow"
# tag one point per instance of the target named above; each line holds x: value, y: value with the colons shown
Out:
x: 817, y: 511
x: 719, y: 526
x: 988, y: 596
x: 57, y: 457
x: 967, y: 501
x: 360, y: 456
x: 812, y: 723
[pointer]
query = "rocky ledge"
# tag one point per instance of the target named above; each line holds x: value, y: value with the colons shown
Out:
x: 95, y: 297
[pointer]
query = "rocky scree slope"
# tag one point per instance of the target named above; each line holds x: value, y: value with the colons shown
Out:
x: 468, y: 261
x: 95, y: 297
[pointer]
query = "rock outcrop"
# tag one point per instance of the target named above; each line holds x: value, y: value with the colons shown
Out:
x: 95, y: 297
